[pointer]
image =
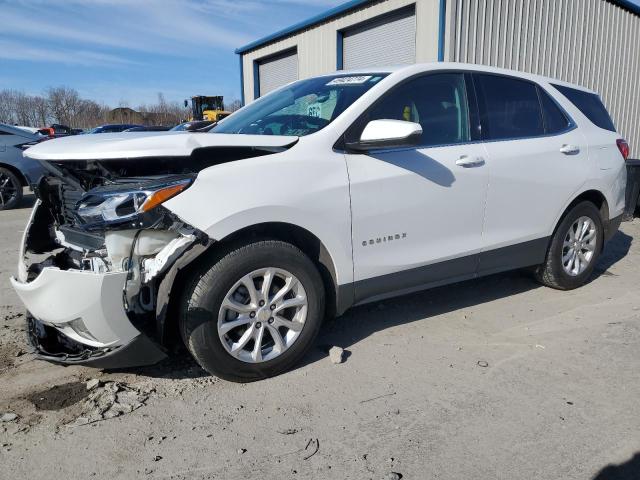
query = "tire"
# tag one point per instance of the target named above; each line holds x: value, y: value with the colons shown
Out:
x: 553, y: 273
x: 10, y: 189
x: 203, y: 313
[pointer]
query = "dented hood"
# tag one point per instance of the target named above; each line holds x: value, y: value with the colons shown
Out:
x: 111, y: 146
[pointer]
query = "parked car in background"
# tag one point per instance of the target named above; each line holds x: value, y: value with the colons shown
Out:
x: 16, y: 171
x: 56, y: 130
x: 148, y: 128
x: 327, y: 193
x: 33, y: 130
x: 194, y: 126
x: 112, y: 128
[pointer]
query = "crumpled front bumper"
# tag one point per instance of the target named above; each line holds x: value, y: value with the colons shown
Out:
x: 78, y: 317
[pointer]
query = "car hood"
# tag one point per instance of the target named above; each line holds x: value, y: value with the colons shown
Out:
x: 112, y: 146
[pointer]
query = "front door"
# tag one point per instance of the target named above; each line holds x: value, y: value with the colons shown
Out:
x: 417, y: 213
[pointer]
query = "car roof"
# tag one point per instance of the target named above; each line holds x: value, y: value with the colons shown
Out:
x: 408, y: 70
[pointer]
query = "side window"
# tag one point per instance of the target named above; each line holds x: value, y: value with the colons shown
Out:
x: 590, y: 105
x: 555, y: 121
x: 509, y: 108
x: 438, y: 102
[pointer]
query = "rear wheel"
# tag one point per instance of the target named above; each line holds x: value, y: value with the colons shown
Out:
x: 253, y: 313
x: 574, y: 250
x: 10, y: 189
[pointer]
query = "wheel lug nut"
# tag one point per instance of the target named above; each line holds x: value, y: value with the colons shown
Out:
x: 252, y: 314
x: 270, y: 320
x: 272, y: 307
x: 258, y: 325
x: 261, y: 303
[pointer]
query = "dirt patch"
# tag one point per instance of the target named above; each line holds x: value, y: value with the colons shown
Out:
x: 59, y: 397
x: 8, y: 354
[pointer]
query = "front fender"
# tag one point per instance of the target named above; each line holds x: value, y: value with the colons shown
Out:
x: 311, y: 193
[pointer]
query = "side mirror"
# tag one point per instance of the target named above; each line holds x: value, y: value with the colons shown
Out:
x: 387, y: 134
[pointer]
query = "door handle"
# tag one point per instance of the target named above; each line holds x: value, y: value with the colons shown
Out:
x: 466, y: 161
x: 570, y: 149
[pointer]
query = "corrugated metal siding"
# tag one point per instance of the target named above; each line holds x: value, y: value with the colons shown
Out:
x: 592, y: 43
x: 278, y: 71
x: 390, y: 41
x: 317, y: 47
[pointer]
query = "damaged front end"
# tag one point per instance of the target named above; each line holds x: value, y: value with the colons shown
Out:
x: 98, y: 260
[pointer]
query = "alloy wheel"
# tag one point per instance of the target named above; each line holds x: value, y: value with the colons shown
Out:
x: 262, y: 315
x: 579, y: 246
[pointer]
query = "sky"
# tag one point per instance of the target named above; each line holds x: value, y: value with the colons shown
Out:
x: 126, y: 51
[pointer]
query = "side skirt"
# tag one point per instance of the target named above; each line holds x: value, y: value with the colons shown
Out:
x: 502, y: 259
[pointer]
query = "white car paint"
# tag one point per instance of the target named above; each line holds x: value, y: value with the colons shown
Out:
x: 380, y: 213
x: 110, y: 146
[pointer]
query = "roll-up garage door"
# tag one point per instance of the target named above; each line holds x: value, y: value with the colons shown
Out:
x: 277, y: 71
x: 389, y: 40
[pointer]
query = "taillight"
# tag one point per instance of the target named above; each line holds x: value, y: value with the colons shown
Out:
x: 623, y: 146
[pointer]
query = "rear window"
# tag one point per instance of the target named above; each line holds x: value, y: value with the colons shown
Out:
x: 555, y: 120
x: 509, y: 108
x: 590, y: 105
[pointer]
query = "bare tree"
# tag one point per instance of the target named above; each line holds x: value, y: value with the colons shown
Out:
x: 64, y: 104
x: 233, y: 105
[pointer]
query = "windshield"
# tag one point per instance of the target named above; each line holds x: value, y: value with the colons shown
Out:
x: 301, y: 108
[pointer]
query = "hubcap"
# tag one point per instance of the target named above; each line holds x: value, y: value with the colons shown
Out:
x: 8, y: 191
x: 262, y: 315
x: 579, y: 246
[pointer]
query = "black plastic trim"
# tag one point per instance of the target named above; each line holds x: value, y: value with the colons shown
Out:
x: 611, y: 227
x: 60, y: 349
x: 502, y: 259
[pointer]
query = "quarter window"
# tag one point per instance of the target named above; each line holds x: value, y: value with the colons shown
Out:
x: 438, y: 102
x: 509, y: 108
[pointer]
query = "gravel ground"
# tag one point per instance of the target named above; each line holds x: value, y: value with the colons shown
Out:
x: 494, y: 378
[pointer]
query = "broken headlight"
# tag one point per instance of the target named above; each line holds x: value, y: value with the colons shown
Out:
x: 115, y: 204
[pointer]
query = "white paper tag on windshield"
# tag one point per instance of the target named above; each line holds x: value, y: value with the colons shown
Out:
x: 349, y: 80
x: 314, y: 110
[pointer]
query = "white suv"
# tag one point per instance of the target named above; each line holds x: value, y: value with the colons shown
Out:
x: 327, y: 193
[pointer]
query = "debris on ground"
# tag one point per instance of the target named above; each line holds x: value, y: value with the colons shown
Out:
x: 9, y: 417
x: 111, y: 400
x: 336, y: 354
x: 313, y: 445
x: 392, y: 476
x: 288, y: 431
x: 377, y: 397
x: 483, y: 364
x: 241, y: 451
x: 93, y: 383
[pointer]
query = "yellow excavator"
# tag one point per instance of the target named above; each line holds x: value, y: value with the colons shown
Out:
x: 207, y: 108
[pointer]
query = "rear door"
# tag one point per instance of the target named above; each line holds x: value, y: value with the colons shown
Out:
x: 417, y: 212
x: 537, y: 160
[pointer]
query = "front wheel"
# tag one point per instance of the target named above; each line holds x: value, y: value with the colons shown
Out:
x: 254, y: 313
x: 574, y: 250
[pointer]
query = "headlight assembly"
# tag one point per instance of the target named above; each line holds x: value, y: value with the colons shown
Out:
x: 116, y: 204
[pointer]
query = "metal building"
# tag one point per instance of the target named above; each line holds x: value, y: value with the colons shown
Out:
x: 595, y: 43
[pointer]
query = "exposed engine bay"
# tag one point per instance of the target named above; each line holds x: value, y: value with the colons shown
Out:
x: 107, y: 218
